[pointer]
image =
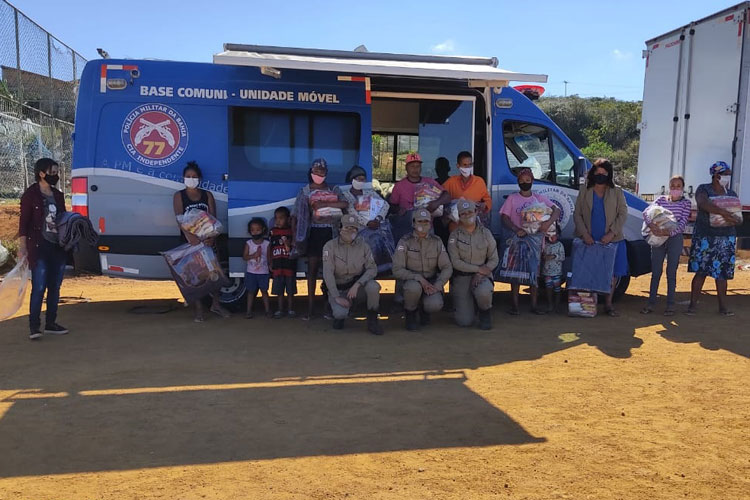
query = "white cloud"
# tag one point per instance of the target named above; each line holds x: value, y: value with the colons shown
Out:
x: 445, y: 47
x: 620, y: 55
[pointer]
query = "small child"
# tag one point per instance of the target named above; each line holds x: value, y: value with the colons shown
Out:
x: 283, y: 267
x: 256, y: 254
x: 553, y: 256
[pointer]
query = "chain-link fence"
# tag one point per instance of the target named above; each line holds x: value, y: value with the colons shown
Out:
x: 38, y: 84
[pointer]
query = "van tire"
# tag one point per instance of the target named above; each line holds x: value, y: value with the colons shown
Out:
x: 233, y: 296
x: 622, y: 285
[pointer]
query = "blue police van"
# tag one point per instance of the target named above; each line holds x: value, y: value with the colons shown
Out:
x: 256, y: 117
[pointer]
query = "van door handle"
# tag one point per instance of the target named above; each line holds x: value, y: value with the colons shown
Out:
x: 225, y: 177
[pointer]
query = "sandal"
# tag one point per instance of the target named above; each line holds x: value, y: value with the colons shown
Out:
x: 647, y: 310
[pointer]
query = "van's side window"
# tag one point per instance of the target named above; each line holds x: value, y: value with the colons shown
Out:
x: 278, y: 145
x: 538, y: 148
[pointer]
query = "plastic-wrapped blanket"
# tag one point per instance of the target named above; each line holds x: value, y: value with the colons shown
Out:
x: 73, y: 228
x: 425, y: 194
x: 196, y: 270
x: 521, y: 260
x: 200, y: 223
x: 533, y: 215
x: 3, y: 254
x: 729, y: 203
x: 302, y: 213
x: 593, y: 266
x: 662, y: 218
x: 13, y: 289
x: 381, y: 243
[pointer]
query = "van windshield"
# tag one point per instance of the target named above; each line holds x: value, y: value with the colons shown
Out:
x: 279, y: 145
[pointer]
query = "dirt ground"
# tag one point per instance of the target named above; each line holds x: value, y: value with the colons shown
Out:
x: 133, y: 405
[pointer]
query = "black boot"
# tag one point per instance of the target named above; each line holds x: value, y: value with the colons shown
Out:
x: 485, y: 319
x: 373, y: 325
x: 424, y: 317
x: 338, y: 324
x: 412, y: 323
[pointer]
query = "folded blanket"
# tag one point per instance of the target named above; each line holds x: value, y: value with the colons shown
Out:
x: 72, y: 228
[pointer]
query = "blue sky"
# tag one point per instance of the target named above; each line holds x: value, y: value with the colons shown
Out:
x: 595, y: 45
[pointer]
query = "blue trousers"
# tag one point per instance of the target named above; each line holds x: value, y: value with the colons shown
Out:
x: 47, y: 276
x: 671, y: 249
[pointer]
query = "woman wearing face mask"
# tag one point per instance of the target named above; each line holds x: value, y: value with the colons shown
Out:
x: 371, y: 211
x: 680, y: 207
x: 600, y: 215
x: 325, y: 205
x: 511, y: 213
x: 194, y: 197
x: 712, y: 249
x: 41, y: 205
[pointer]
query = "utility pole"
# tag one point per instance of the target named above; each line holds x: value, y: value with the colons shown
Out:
x: 566, y: 82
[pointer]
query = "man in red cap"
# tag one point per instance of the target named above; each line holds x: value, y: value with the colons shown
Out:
x: 404, y: 193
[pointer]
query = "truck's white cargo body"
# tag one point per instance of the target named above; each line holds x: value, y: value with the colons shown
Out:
x: 695, y: 104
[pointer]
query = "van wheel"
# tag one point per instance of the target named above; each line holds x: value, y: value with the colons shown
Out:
x: 233, y: 296
x: 620, y: 288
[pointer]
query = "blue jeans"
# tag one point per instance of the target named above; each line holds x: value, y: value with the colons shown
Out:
x: 46, y: 275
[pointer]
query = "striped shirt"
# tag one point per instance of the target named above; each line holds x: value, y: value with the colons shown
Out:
x: 680, y: 209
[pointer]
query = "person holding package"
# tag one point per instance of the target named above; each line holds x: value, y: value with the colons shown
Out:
x: 512, y: 213
x: 38, y: 242
x: 349, y: 273
x: 282, y: 266
x: 422, y: 263
x: 411, y: 192
x: 473, y: 252
x: 468, y: 186
x: 600, y: 214
x: 323, y: 206
x: 714, y: 238
x: 553, y: 257
x: 680, y: 208
x: 257, y: 254
x: 193, y: 197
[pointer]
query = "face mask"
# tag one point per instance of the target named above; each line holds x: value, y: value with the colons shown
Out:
x: 525, y: 186
x: 192, y: 182
x: 360, y: 185
x: 466, y: 171
x: 51, y: 179
x: 468, y: 220
x: 422, y: 228
x: 257, y: 236
x: 601, y: 179
x: 318, y: 179
x: 724, y: 180
x: 676, y: 194
x: 347, y: 235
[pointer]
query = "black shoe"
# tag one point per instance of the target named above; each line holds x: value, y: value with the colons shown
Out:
x: 373, y: 325
x: 412, y: 323
x: 485, y: 319
x: 35, y: 334
x: 338, y: 324
x: 55, y: 329
x: 424, y: 318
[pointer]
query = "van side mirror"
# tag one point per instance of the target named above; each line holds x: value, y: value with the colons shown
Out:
x: 581, y: 169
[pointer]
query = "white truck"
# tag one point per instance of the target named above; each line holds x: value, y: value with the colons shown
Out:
x: 695, y: 106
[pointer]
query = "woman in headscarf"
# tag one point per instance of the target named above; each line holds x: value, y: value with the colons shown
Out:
x: 713, y: 247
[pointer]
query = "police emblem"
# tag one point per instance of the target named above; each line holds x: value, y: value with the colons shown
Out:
x: 155, y: 135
